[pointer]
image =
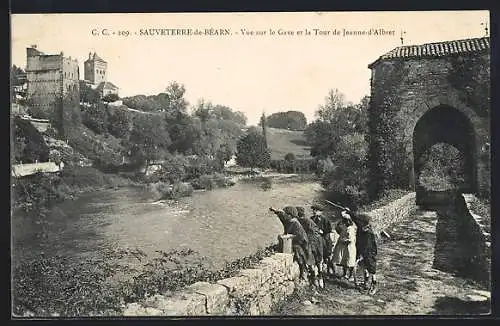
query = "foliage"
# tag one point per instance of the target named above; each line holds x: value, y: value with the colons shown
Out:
x: 112, y: 97
x: 103, y: 150
x: 335, y: 119
x: 175, y: 190
x: 174, y: 169
x: 17, y: 78
x: 252, y: 151
x: 346, y: 182
x: 95, y: 117
x: 58, y: 286
x: 209, y: 182
x: 149, y: 137
x: 471, y: 76
x: 388, y: 162
x: 289, y: 157
x: 200, y: 165
x: 42, y: 190
x: 218, y: 130
x: 119, y: 123
x: 335, y: 100
x: 443, y: 168
x: 291, y: 120
x: 482, y: 207
x: 29, y: 144
x: 88, y: 94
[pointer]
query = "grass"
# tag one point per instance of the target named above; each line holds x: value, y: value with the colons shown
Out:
x: 56, y: 286
x: 482, y: 207
x: 282, y: 142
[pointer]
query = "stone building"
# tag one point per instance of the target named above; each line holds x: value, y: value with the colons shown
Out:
x: 52, y: 85
x: 426, y: 94
x: 95, y: 74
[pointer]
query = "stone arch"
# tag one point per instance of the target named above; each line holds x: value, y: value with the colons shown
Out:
x: 444, y: 124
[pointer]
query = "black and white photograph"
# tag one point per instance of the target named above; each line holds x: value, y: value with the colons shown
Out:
x: 250, y: 164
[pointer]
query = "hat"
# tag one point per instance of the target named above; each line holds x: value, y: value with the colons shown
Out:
x: 290, y: 210
x: 300, y: 210
x: 345, y: 214
x: 316, y: 207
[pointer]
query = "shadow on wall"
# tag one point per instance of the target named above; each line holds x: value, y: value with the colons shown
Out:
x: 458, y: 248
x: 455, y: 306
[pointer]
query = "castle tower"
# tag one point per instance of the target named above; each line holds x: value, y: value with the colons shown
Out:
x: 52, y: 86
x: 95, y: 69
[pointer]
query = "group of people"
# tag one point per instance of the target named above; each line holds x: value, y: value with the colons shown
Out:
x: 314, y: 250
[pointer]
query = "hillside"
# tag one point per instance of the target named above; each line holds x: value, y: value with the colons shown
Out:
x: 281, y: 142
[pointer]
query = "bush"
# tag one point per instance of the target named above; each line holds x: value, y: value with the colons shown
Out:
x: 174, y: 169
x: 289, y: 157
x: 204, y: 182
x: 58, y: 286
x: 176, y: 190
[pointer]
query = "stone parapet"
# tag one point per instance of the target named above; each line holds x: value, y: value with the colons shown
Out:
x: 252, y: 291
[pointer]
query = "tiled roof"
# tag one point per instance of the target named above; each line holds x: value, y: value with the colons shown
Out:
x: 98, y: 58
x: 95, y: 57
x: 438, y: 49
x: 106, y: 85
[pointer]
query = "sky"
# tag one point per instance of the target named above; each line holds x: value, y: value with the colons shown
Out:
x: 250, y: 73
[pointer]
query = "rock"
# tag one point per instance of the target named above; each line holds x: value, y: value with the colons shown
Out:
x: 216, y: 296
x: 482, y: 293
x: 306, y: 303
x: 185, y: 303
x: 475, y: 298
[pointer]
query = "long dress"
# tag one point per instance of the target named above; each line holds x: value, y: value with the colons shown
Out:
x: 315, y: 239
x: 300, y: 243
x: 344, y: 253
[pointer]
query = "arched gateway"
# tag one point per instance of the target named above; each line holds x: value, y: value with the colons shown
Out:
x: 427, y: 94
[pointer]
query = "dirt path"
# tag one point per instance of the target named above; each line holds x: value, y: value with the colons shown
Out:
x: 408, y: 285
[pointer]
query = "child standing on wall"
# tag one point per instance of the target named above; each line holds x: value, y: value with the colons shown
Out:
x: 367, y: 246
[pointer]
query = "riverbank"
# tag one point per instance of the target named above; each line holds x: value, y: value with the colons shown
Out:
x: 56, y: 287
x: 200, y: 232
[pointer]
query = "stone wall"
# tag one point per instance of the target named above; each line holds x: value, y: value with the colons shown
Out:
x: 403, y: 91
x: 479, y: 239
x: 251, y: 292
x: 393, y: 212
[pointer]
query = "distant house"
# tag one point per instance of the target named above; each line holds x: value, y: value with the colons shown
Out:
x: 96, y: 74
x: 106, y: 88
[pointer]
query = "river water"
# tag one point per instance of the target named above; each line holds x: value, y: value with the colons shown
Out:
x: 221, y: 225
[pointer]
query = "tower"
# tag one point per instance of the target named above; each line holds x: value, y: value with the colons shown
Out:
x: 95, y: 69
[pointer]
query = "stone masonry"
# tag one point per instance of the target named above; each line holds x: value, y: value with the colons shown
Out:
x: 251, y: 292
x: 448, y: 79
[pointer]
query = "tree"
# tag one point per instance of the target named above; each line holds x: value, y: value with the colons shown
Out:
x: 346, y: 180
x: 95, y: 117
x: 291, y: 120
x: 290, y: 157
x: 112, y: 97
x: 176, y: 102
x: 335, y: 120
x: 252, y: 151
x: 149, y: 138
x: 88, y: 94
x: 333, y: 101
x: 119, y: 123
